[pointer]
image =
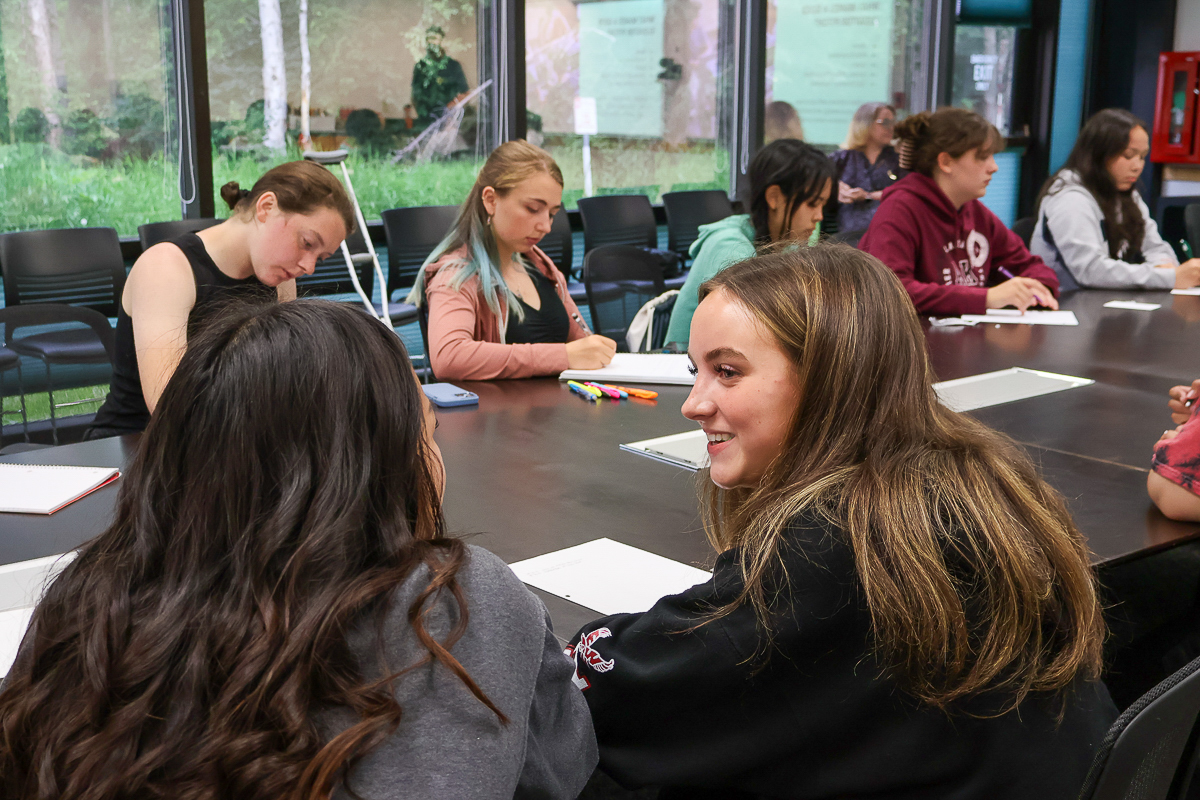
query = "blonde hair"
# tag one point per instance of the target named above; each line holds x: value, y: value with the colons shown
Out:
x: 507, y: 166
x: 860, y: 125
x: 974, y: 575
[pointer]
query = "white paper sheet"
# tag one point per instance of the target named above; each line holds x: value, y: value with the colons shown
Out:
x: 1003, y: 386
x: 1193, y: 292
x: 688, y: 450
x: 1011, y: 316
x: 44, y: 489
x: 670, y: 368
x: 1132, y: 305
x: 12, y: 629
x: 608, y: 577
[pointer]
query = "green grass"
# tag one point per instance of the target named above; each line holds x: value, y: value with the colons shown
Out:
x: 37, y: 406
x: 42, y: 188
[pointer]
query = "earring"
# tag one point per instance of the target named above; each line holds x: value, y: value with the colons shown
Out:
x: 489, y: 221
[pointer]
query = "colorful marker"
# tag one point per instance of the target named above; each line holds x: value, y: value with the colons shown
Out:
x: 645, y: 394
x: 586, y: 391
x: 606, y: 391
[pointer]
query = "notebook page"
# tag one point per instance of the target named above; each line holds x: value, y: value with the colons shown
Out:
x: 41, y: 489
x: 608, y: 577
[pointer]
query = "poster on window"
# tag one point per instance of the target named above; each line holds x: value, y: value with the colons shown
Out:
x: 620, y: 47
x: 830, y: 58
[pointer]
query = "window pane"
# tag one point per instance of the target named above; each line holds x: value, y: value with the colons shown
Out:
x: 87, y: 108
x: 983, y: 72
x: 382, y: 75
x: 824, y: 60
x: 655, y: 71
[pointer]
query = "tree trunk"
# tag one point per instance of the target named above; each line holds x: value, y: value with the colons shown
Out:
x: 110, y: 69
x: 39, y: 29
x: 274, y: 77
x: 305, y: 78
x: 5, y: 131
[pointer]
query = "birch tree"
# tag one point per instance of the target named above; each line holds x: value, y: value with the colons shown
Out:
x: 39, y: 30
x: 274, y: 77
x: 305, y: 78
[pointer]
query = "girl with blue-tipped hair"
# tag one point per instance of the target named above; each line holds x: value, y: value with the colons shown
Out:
x: 498, y: 307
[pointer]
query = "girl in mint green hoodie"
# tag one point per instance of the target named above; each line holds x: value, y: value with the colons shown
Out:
x: 790, y: 182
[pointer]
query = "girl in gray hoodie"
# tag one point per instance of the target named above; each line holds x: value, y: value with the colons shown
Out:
x: 1093, y: 227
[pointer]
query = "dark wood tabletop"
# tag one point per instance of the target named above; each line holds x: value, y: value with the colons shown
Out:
x: 535, y: 468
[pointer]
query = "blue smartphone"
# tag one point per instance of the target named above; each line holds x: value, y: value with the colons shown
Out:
x: 445, y: 395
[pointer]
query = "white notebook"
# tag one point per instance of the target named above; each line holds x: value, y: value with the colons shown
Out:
x: 1002, y: 386
x: 688, y: 450
x: 609, y: 577
x: 41, y: 489
x: 1011, y: 316
x: 638, y: 368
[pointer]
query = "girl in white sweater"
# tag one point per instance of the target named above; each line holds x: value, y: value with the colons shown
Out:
x: 1093, y: 227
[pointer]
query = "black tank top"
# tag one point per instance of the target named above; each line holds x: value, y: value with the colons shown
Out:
x: 124, y: 410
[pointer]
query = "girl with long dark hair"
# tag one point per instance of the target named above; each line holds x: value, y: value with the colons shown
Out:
x: 294, y: 215
x: 789, y: 185
x: 901, y: 607
x: 498, y: 307
x: 953, y: 255
x: 1093, y: 226
x: 277, y: 613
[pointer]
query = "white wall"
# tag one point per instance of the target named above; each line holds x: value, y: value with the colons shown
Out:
x: 1187, y: 25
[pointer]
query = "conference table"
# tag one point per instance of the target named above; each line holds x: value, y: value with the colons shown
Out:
x: 535, y: 468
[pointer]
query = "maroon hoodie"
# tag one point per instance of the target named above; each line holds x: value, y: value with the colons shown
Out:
x: 946, y: 258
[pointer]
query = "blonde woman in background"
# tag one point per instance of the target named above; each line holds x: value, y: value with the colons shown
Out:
x: 866, y: 165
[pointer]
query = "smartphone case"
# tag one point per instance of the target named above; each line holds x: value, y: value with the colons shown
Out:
x: 445, y: 395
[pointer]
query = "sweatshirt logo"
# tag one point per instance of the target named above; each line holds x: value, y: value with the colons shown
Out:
x: 585, y: 652
x: 977, y: 249
x: 966, y: 263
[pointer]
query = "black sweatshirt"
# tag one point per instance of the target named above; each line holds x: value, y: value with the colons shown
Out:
x: 688, y: 709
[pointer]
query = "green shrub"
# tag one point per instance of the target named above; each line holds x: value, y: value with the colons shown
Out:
x: 31, y: 126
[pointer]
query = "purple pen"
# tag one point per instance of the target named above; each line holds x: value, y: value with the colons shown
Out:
x: 1004, y: 271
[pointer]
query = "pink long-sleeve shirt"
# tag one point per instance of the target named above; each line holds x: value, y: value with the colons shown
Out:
x: 464, y: 334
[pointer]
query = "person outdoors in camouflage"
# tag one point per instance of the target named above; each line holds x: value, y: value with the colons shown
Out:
x: 438, y: 80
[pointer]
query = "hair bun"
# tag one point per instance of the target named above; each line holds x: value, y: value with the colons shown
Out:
x: 233, y: 194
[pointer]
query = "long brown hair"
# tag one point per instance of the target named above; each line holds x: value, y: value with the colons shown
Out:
x: 300, y: 187
x: 1104, y: 137
x: 950, y: 130
x: 281, y: 492
x: 972, y: 570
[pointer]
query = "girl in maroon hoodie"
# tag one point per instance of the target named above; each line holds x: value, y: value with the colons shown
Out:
x: 952, y: 254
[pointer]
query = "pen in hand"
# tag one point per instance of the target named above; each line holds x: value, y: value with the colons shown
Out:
x: 1009, y: 276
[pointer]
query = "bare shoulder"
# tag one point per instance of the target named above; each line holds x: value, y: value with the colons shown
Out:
x: 163, y: 275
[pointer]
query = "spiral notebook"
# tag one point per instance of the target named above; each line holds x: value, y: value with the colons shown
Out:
x: 42, y: 489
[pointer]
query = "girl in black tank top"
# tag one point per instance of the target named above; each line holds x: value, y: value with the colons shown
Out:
x: 124, y: 410
x: 296, y: 214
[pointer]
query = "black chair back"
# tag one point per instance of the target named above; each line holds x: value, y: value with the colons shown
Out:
x: 687, y: 211
x: 558, y: 244
x: 661, y: 321
x: 331, y: 275
x: 153, y: 233
x: 619, y: 279
x: 1149, y: 753
x: 412, y: 233
x: 74, y: 266
x: 1024, y: 228
x: 423, y: 321
x: 617, y: 219
x: 1191, y: 225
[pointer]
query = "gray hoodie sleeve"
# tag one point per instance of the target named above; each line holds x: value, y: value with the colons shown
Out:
x: 560, y: 749
x: 1073, y: 217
